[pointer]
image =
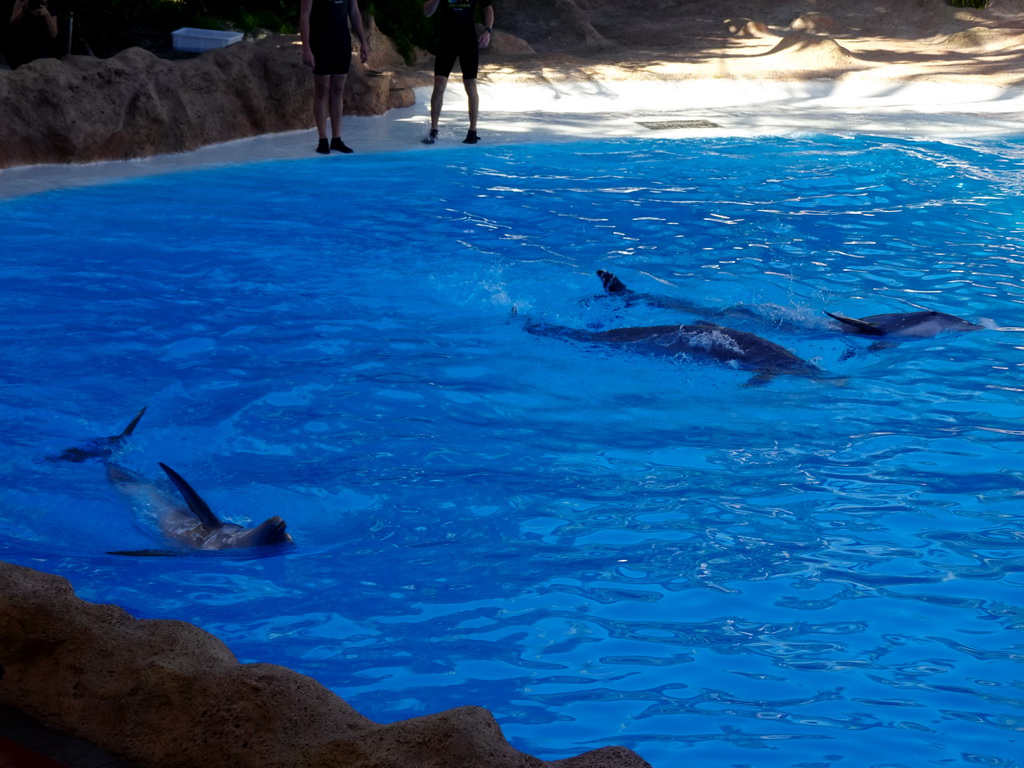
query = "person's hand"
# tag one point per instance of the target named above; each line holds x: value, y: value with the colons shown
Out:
x: 307, y: 57
x: 485, y: 39
x: 364, y: 53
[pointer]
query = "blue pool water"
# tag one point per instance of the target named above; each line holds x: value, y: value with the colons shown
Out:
x: 599, y: 547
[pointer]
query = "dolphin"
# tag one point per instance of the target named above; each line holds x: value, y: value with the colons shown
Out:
x: 918, y: 325
x: 923, y: 324
x: 614, y: 286
x: 699, y: 341
x: 193, y: 524
x: 101, y: 447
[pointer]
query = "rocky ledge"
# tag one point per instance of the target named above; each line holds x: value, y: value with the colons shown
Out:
x: 84, y: 109
x: 167, y: 694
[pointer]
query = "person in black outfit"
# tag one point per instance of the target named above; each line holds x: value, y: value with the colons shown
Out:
x: 457, y: 39
x: 327, y: 49
x: 32, y: 33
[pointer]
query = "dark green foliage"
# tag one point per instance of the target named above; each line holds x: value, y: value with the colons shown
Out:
x: 247, y: 15
x: 403, y: 21
x: 970, y: 3
x: 105, y: 27
x: 108, y: 26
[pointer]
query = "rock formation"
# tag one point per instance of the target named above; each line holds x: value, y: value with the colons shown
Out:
x: 167, y: 694
x: 746, y: 28
x: 980, y: 38
x: 816, y: 24
x: 813, y: 53
x: 549, y: 24
x: 82, y: 109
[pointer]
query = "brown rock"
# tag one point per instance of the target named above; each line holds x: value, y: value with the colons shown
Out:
x: 548, y: 24
x: 816, y: 23
x: 504, y: 44
x: 746, y: 28
x: 813, y: 53
x: 81, y: 109
x: 167, y: 694
x: 384, y: 56
x: 977, y: 38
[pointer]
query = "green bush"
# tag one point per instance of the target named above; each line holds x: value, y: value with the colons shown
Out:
x: 108, y: 26
x: 403, y: 21
x: 247, y: 16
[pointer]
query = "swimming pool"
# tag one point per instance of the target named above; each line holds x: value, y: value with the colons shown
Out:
x: 599, y: 547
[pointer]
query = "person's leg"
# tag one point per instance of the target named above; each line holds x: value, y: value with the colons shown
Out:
x: 337, y: 110
x: 321, y: 90
x: 469, y: 60
x: 437, y: 100
x: 474, y: 101
x: 474, y: 108
x: 444, y: 61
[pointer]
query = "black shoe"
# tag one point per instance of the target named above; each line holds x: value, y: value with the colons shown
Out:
x: 471, y: 138
x: 323, y: 148
x: 339, y: 146
x: 431, y: 137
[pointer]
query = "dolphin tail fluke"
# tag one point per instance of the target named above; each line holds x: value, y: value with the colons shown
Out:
x: 194, y: 501
x: 611, y: 283
x: 100, y: 448
x: 134, y: 423
x: 859, y: 325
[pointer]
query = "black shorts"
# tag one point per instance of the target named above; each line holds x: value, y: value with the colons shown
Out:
x: 465, y: 48
x: 331, y: 59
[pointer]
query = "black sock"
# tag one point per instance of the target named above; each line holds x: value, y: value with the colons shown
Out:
x: 323, y: 148
x: 339, y: 146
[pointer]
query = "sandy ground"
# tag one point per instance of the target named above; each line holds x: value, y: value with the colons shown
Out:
x: 674, y: 68
x: 904, y: 40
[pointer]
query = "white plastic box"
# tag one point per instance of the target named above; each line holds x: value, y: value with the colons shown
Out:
x: 190, y: 40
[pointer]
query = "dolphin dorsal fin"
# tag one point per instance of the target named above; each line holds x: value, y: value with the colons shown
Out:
x: 134, y: 423
x: 611, y: 283
x: 861, y: 325
x: 195, y: 502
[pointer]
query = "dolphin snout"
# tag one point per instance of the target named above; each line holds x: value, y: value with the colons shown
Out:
x: 271, y: 531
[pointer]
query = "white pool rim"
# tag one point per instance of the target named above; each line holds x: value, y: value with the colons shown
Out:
x: 516, y: 113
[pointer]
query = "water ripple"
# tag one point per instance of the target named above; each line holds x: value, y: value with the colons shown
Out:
x: 598, y: 547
